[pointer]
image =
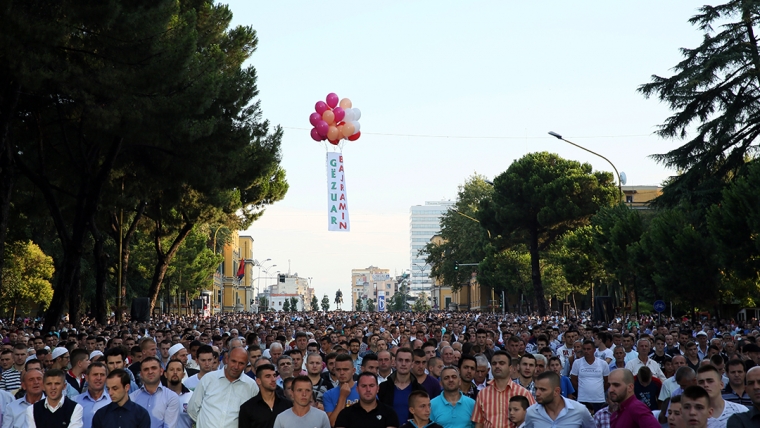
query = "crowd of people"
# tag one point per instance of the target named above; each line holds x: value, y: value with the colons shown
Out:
x: 379, y: 370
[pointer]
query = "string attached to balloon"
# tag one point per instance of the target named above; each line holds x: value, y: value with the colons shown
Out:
x: 335, y: 121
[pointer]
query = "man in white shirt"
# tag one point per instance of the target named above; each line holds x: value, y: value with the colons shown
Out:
x: 709, y: 378
x: 217, y: 399
x: 643, y: 360
x: 589, y: 377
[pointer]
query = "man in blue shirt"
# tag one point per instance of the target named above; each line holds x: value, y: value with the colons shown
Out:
x: 336, y: 399
x: 161, y: 403
x: 121, y: 412
x: 552, y: 409
x: 94, y: 398
x: 452, y: 409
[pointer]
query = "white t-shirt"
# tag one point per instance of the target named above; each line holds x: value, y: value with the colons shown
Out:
x: 590, y: 379
x: 719, y: 421
x: 604, y: 355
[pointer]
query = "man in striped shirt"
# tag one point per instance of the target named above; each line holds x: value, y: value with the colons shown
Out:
x: 11, y: 380
x: 493, y: 401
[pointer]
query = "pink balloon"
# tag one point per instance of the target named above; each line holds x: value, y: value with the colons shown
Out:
x: 322, y: 127
x: 314, y: 118
x: 332, y: 100
x: 315, y: 135
x: 320, y: 107
x: 339, y: 114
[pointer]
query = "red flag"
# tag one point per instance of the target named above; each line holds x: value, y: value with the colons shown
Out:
x: 241, y: 269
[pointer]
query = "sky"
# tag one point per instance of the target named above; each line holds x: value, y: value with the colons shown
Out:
x: 447, y: 89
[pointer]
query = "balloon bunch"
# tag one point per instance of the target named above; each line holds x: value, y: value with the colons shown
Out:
x: 334, y: 121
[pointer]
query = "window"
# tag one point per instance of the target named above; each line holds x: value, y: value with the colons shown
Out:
x: 280, y: 303
x: 219, y: 296
x: 629, y: 199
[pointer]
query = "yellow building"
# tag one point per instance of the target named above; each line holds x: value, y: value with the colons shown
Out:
x: 372, y: 283
x: 233, y: 293
x: 639, y: 197
x: 470, y: 296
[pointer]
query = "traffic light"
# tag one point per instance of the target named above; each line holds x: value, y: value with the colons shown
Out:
x: 456, y: 265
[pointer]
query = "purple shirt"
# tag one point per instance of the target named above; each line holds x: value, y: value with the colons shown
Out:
x: 633, y: 414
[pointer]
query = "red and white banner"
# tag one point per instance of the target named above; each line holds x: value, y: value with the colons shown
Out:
x: 337, y: 201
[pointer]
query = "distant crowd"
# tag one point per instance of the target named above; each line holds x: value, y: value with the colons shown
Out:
x: 379, y: 370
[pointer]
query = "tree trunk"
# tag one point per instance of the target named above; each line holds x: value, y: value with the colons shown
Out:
x: 163, y: 259
x: 100, y: 309
x: 8, y: 101
x: 126, y: 239
x: 535, y: 268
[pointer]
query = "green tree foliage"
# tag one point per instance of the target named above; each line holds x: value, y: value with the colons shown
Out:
x: 464, y: 239
x: 263, y: 304
x: 286, y: 306
x: 540, y: 197
x: 315, y: 303
x: 370, y: 305
x: 580, y: 263
x: 294, y: 304
x: 421, y: 304
x: 325, y: 303
x: 713, y: 93
x: 685, y: 265
x: 359, y: 305
x: 26, y: 277
x: 149, y: 101
x: 734, y: 223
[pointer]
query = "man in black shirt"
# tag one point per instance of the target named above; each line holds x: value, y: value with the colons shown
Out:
x: 122, y: 412
x: 369, y: 412
x: 261, y: 410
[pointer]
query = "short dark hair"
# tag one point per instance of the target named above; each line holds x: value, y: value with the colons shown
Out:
x: 54, y: 373
x: 523, y: 400
x: 299, y: 379
x: 121, y: 374
x: 78, y: 355
x: 418, y: 353
x: 96, y: 364
x: 343, y: 357
x: 708, y: 368
x: 735, y: 362
x: 549, y: 375
x: 696, y: 392
x: 415, y: 395
x: 142, y: 363
x: 464, y: 358
x: 206, y: 349
x: 260, y: 369
x: 365, y: 374
x: 367, y: 358
x: 118, y: 351
x: 32, y: 361
x: 175, y: 361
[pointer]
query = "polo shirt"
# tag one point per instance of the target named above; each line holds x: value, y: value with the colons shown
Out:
x: 632, y: 413
x: 730, y: 395
x: 452, y: 416
x: 330, y: 398
x: 382, y: 416
x: 574, y: 414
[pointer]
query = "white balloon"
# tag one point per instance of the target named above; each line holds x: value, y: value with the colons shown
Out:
x: 357, y: 127
x: 357, y: 113
x: 349, y: 115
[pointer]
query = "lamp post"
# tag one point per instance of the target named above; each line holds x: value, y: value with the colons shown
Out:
x: 620, y: 181
x: 422, y: 271
x: 258, y: 280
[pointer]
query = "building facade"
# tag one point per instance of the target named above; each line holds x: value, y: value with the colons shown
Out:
x: 372, y: 283
x: 288, y: 286
x: 424, y: 223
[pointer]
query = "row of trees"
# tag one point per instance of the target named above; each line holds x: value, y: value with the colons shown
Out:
x: 557, y: 225
x: 129, y: 133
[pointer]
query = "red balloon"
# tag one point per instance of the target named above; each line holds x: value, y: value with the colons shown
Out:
x: 334, y: 142
x: 354, y: 137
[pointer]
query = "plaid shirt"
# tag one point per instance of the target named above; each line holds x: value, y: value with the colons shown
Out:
x: 602, y: 418
x: 531, y: 387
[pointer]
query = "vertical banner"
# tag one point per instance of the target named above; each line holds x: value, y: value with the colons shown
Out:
x: 381, y: 303
x: 337, y: 202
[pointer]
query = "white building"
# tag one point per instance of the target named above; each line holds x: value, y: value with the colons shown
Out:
x: 278, y: 300
x: 423, y: 224
x: 288, y: 286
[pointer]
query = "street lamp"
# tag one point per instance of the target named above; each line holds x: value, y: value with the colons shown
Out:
x: 619, y: 176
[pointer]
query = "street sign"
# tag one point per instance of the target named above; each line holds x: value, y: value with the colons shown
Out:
x: 659, y: 306
x: 381, y: 303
